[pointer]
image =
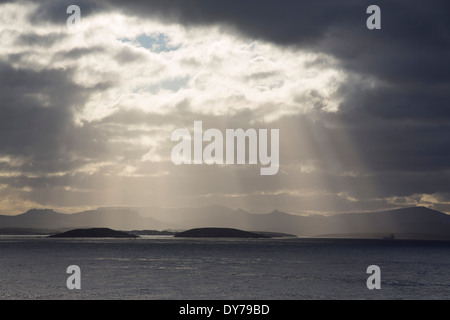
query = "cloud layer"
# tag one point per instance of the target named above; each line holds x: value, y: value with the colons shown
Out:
x: 86, y: 114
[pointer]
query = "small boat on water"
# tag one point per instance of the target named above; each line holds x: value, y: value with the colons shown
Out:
x: 390, y: 237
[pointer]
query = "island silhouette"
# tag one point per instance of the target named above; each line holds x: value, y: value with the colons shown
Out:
x: 218, y: 233
x: 93, y: 233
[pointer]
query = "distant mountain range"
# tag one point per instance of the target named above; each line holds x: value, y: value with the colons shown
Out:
x: 114, y: 218
x: 415, y: 222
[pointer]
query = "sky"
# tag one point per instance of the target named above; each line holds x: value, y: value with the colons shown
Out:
x: 87, y: 112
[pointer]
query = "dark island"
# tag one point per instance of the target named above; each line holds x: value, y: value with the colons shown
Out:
x: 218, y: 233
x: 153, y: 232
x: 94, y: 233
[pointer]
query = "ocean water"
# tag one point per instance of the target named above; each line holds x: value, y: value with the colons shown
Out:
x: 176, y: 268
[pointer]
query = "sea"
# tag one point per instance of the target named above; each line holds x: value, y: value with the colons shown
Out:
x: 168, y: 268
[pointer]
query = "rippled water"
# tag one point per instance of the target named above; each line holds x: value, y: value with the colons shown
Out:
x: 175, y: 268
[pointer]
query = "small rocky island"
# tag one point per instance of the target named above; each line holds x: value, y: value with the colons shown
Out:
x: 94, y: 233
x: 218, y: 233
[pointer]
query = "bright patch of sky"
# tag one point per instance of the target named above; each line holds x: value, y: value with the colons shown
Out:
x: 155, y: 42
x: 155, y: 67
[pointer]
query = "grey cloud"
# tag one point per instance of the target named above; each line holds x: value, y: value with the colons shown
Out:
x: 36, y: 118
x: 33, y: 39
x: 77, y: 53
x: 262, y: 75
x: 413, y: 44
x: 51, y: 11
x: 127, y: 55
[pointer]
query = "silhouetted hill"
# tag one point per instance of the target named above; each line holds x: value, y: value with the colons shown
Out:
x: 416, y: 220
x: 114, y: 218
x: 153, y: 232
x: 29, y: 231
x: 275, y: 234
x: 218, y: 233
x: 192, y: 217
x: 407, y: 221
x: 94, y: 233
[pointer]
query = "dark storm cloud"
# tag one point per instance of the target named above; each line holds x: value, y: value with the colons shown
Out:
x: 283, y: 22
x: 411, y: 50
x: 36, y: 118
x: 50, y: 11
x: 381, y: 145
x: 413, y: 44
